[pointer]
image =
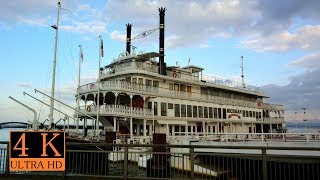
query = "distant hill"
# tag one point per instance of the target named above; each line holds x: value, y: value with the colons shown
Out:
x: 309, y: 123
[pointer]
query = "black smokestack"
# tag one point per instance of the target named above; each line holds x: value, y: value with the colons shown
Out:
x: 162, y: 64
x: 128, y: 37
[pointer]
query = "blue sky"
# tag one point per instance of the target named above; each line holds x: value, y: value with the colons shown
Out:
x: 279, y: 41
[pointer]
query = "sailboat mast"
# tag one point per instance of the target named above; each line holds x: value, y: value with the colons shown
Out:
x: 56, y: 27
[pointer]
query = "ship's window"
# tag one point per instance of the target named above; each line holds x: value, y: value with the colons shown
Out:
x: 199, y: 128
x: 182, y: 87
x: 170, y: 106
x: 149, y: 105
x: 183, y: 129
x: 163, y: 109
x: 177, y: 110
x: 224, y: 113
x: 195, y: 111
x: 195, y: 74
x: 189, y: 89
x: 176, y: 129
x: 134, y: 128
x: 148, y: 82
x: 189, y: 110
x: 176, y: 87
x: 215, y: 113
x: 155, y: 108
x: 225, y: 94
x: 210, y: 112
x: 155, y: 83
x: 170, y: 86
x: 204, y: 90
x: 140, y: 81
x: 200, y: 112
x: 141, y: 130
x: 205, y: 112
x: 134, y: 80
x: 183, y: 110
x: 219, y: 113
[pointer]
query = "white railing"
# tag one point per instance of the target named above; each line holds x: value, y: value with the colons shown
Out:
x: 118, y: 110
x: 120, y: 85
x: 155, y: 91
x: 229, y: 83
x: 264, y: 137
x: 272, y: 106
x: 273, y: 119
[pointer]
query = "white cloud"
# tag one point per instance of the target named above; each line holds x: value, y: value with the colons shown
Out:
x: 305, y: 38
x: 93, y: 27
x: 116, y: 35
x: 302, y: 91
x: 81, y: 18
x: 187, y: 24
x: 311, y: 61
x: 24, y: 85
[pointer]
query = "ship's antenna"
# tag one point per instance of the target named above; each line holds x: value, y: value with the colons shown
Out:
x: 242, y: 75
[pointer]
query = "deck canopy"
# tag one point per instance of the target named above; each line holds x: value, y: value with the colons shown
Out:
x: 148, y: 56
x: 193, y: 68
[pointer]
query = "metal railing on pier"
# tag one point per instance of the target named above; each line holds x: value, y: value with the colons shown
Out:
x: 254, y: 137
x: 142, y: 161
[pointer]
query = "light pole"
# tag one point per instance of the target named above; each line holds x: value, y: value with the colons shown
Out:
x: 304, y: 116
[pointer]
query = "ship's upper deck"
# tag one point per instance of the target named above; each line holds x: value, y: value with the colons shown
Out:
x: 147, y: 63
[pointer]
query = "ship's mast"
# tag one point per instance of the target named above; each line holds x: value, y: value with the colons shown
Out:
x: 56, y: 27
x: 78, y: 99
x: 98, y: 83
x: 242, y: 74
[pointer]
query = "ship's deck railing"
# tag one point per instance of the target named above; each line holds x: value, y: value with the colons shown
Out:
x: 136, y: 65
x: 273, y: 119
x: 230, y: 83
x: 156, y: 91
x: 263, y: 137
x: 272, y: 106
x: 119, y: 110
x: 99, y: 160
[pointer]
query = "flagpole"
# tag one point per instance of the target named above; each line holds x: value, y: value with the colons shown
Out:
x: 98, y: 83
x: 78, y: 99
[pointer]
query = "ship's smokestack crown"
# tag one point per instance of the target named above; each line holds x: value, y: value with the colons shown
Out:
x: 128, y: 40
x: 162, y: 64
